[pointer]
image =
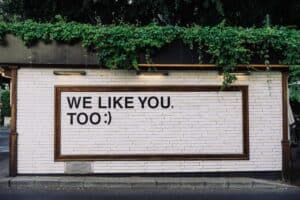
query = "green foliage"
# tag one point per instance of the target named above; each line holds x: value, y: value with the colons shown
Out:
x: 5, y: 99
x: 294, y: 88
x: 177, y: 12
x: 3, y: 30
x: 119, y: 46
x: 116, y: 11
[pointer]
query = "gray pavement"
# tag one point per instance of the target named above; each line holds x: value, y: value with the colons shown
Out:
x: 131, y: 182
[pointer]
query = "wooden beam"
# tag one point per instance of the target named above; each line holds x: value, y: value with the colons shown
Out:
x: 13, y: 125
x: 211, y: 65
x: 285, y: 132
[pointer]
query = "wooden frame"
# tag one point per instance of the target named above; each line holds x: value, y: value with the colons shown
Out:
x: 136, y: 157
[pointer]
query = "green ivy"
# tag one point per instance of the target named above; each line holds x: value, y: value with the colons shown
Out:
x: 294, y: 88
x: 119, y: 46
x: 5, y: 99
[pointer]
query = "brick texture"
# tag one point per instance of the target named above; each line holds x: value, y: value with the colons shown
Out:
x: 215, y: 128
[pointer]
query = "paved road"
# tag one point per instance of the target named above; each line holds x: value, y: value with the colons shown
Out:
x: 4, y: 133
x: 4, y: 158
x: 4, y: 141
x: 165, y: 195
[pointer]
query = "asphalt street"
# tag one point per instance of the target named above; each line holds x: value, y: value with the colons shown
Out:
x: 4, y: 164
x: 4, y: 140
x: 165, y: 195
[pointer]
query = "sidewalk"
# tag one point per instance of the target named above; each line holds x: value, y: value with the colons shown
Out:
x: 132, y: 182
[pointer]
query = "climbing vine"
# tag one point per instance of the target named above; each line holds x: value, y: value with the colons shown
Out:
x: 119, y: 46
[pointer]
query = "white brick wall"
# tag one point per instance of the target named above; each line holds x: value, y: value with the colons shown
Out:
x: 199, y: 123
x: 35, y: 121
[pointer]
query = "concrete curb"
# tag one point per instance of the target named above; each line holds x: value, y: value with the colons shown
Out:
x: 86, y: 182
